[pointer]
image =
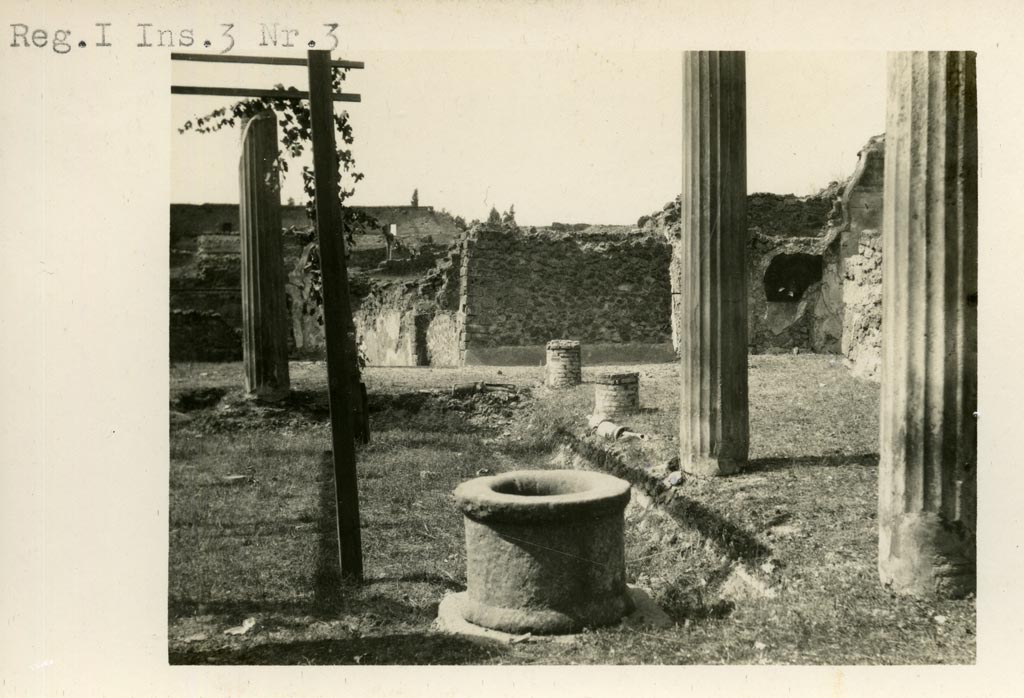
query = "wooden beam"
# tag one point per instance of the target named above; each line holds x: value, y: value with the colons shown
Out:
x: 342, y: 370
x: 261, y: 60
x: 247, y: 92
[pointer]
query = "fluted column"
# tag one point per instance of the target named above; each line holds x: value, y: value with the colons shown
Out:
x: 927, y: 475
x: 714, y: 431
x: 264, y: 313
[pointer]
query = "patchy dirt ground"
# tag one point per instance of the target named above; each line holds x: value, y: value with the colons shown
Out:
x: 774, y: 565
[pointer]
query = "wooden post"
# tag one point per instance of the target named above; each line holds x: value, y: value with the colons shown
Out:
x: 342, y: 370
x: 264, y: 312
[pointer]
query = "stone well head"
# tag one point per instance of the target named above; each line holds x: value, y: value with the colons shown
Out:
x: 545, y: 550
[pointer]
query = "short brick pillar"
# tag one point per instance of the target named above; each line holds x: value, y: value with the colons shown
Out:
x: 616, y: 394
x: 564, y: 367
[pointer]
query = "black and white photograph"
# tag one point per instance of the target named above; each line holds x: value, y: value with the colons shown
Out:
x: 376, y: 345
x: 508, y: 423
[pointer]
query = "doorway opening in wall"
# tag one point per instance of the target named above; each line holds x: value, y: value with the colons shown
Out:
x: 789, y: 275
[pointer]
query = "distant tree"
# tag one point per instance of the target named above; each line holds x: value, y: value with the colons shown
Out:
x: 415, y: 198
x: 509, y: 217
x: 460, y: 222
x: 291, y: 200
x: 494, y: 216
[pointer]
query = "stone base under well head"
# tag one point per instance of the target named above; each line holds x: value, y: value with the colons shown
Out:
x: 543, y: 621
x: 644, y: 614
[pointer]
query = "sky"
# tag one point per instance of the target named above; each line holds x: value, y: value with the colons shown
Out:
x: 571, y: 136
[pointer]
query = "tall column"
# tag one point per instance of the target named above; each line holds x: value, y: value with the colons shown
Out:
x: 264, y: 313
x: 927, y: 474
x: 714, y: 424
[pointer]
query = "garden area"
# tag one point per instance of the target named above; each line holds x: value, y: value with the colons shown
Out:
x: 773, y: 565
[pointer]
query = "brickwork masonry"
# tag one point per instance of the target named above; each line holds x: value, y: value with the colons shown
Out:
x: 521, y: 288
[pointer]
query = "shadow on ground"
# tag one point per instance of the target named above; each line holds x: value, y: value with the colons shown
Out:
x: 329, y: 589
x: 737, y: 542
x: 760, y: 465
x: 410, y: 648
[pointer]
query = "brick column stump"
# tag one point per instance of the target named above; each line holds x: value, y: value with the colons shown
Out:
x: 616, y: 394
x: 564, y: 367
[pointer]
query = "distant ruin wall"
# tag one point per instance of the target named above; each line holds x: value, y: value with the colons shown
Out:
x: 521, y: 289
x: 794, y: 277
x: 388, y: 337
x: 206, y: 284
x: 415, y: 225
x: 205, y: 277
x: 500, y: 293
x: 203, y: 335
x: 410, y: 322
x: 861, y: 251
x: 442, y: 339
x: 795, y: 295
x: 862, y: 321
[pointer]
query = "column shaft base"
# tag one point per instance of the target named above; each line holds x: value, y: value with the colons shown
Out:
x: 710, y: 466
x: 267, y: 393
x: 925, y: 555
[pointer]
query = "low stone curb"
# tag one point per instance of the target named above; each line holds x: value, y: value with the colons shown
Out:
x: 606, y: 458
x: 739, y: 544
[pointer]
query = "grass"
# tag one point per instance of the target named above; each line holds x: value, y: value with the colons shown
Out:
x: 774, y: 565
x: 263, y: 545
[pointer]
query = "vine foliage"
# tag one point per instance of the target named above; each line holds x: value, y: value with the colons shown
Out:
x: 293, y: 120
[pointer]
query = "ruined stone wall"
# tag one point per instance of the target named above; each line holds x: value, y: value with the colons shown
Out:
x: 398, y: 322
x: 205, y: 277
x: 499, y: 294
x: 192, y: 220
x: 520, y: 289
x: 861, y: 257
x: 794, y: 243
x: 442, y: 339
x: 203, y: 335
x: 862, y: 321
x: 205, y: 293
x: 417, y: 225
x: 795, y: 294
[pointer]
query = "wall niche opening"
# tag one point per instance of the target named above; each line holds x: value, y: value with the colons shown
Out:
x: 789, y: 275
